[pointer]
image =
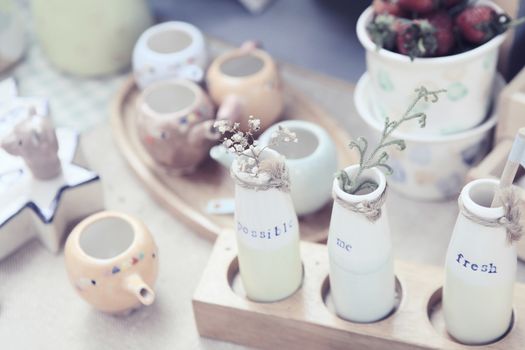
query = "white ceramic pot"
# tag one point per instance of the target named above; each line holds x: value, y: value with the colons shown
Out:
x: 90, y: 37
x: 169, y: 50
x: 468, y: 78
x: 362, y: 281
x: 431, y: 167
x: 12, y: 35
x: 267, y: 233
x: 480, y: 271
x: 312, y: 163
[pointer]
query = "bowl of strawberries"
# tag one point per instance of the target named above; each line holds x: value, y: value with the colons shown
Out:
x: 440, y: 44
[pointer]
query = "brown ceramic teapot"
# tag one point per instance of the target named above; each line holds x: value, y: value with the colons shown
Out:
x: 175, y: 124
x: 245, y: 82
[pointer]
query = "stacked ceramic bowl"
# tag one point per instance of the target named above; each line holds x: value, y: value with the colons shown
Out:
x: 458, y: 127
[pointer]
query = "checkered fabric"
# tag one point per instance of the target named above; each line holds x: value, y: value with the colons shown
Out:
x: 75, y: 102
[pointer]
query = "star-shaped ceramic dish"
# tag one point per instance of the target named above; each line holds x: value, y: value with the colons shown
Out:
x: 31, y: 207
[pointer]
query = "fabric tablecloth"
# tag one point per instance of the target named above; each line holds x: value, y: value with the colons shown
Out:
x: 40, y: 310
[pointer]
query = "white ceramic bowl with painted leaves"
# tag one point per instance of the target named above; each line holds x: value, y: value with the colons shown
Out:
x: 169, y: 50
x: 431, y: 167
x: 468, y: 78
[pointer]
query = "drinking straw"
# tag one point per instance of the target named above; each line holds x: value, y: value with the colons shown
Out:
x: 516, y: 157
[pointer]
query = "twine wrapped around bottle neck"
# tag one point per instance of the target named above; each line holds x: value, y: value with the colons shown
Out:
x: 370, y: 209
x: 278, y: 178
x: 510, y: 219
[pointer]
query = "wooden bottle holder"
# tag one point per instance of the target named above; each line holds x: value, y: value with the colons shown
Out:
x: 307, y: 320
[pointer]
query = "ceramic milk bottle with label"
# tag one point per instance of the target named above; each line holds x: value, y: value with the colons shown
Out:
x: 480, y: 269
x: 362, y: 282
x: 267, y: 233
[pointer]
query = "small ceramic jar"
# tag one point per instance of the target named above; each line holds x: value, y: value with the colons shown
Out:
x: 175, y: 124
x: 112, y: 261
x: 312, y: 163
x: 362, y: 280
x: 246, y: 82
x: 169, y: 50
x: 480, y: 269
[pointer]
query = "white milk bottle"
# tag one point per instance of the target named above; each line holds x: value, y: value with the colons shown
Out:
x: 267, y: 233
x: 480, y: 269
x: 362, y: 281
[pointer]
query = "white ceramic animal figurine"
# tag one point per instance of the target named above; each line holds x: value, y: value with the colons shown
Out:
x: 34, y: 140
x: 46, y: 193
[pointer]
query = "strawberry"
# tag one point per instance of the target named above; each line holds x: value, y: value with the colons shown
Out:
x: 390, y: 7
x: 451, y: 3
x: 419, y: 6
x: 416, y: 38
x: 479, y: 24
x: 426, y: 37
x: 443, y: 24
x: 383, y: 30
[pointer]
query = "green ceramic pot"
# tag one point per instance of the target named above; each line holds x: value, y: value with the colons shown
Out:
x: 90, y: 37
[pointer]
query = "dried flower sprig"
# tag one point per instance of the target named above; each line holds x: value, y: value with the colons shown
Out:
x: 378, y: 157
x: 244, y: 145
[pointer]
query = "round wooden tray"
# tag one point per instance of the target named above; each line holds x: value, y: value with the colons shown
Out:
x: 187, y: 196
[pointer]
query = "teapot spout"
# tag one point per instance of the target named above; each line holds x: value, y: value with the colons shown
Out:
x: 220, y: 154
x: 136, y: 286
x: 230, y: 109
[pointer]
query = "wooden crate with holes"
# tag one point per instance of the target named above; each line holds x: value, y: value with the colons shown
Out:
x: 306, y: 319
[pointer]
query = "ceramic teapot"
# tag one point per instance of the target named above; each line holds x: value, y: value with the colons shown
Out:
x: 245, y: 82
x: 112, y: 261
x: 175, y: 124
x: 312, y: 163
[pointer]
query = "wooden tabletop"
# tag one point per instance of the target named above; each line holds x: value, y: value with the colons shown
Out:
x: 36, y: 299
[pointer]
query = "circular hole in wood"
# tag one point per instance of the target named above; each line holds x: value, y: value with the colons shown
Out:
x: 437, y: 319
x: 329, y: 303
x: 235, y: 281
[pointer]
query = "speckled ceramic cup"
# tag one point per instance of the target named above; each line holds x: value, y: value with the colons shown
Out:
x: 431, y: 167
x: 112, y: 261
x: 468, y: 78
x: 175, y: 124
x: 169, y: 50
